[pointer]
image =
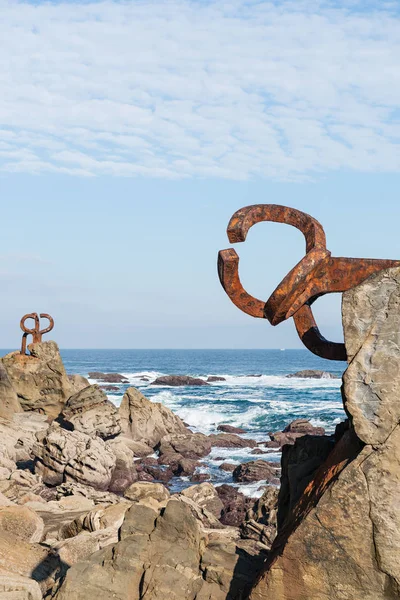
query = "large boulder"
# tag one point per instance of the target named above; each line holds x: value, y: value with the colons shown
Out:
x: 231, y: 440
x: 63, y: 455
x: 256, y: 470
x: 78, y: 383
x: 146, y: 421
x: 91, y: 412
x: 39, y: 379
x: 188, y: 445
x: 22, y: 522
x: 9, y: 403
x: 341, y: 539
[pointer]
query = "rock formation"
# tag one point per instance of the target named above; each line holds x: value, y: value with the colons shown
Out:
x: 91, y: 412
x: 339, y: 530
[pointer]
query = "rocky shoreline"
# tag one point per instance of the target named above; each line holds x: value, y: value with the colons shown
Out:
x: 88, y: 507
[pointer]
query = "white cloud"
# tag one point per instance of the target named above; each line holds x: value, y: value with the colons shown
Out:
x: 179, y: 89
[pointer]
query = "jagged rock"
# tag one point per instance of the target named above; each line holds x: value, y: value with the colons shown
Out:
x: 91, y: 412
x: 230, y: 429
x: 179, y: 465
x: 100, y: 517
x: 341, y: 540
x: 72, y: 489
x: 22, y: 522
x: 235, y: 504
x: 313, y: 374
x: 260, y: 523
x: 293, y: 431
x: 215, y: 379
x: 188, y: 445
x: 78, y: 383
x: 64, y: 455
x: 205, y: 495
x: 146, y: 421
x: 17, y: 587
x: 108, y: 377
x: 230, y: 440
x: 256, y: 470
x: 178, y: 380
x: 144, y: 491
x: 39, y: 379
x: 9, y: 403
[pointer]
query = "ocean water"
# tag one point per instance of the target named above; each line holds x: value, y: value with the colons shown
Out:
x: 259, y: 404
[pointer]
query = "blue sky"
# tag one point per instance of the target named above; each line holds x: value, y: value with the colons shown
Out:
x: 130, y: 132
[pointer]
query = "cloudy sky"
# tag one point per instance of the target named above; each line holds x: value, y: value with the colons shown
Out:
x: 131, y: 131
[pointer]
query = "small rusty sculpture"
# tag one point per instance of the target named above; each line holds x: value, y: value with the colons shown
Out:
x: 317, y: 274
x: 35, y: 332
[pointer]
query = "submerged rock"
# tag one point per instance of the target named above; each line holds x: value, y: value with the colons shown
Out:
x: 230, y: 429
x: 108, y: 377
x: 312, y: 374
x: 178, y: 380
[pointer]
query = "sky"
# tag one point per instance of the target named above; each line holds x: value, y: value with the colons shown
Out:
x: 130, y: 132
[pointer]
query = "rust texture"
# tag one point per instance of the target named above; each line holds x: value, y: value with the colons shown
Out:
x: 317, y: 274
x: 36, y: 332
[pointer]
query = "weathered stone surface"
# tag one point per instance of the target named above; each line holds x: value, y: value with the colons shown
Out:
x: 293, y: 431
x: 256, y: 470
x: 371, y: 319
x: 260, y: 523
x: 146, y: 421
x: 143, y: 491
x: 235, y: 504
x: 64, y: 455
x: 17, y: 587
x: 22, y: 522
x: 188, y: 445
x: 9, y: 403
x: 91, y: 412
x: 231, y: 440
x: 78, y: 383
x: 206, y: 496
x: 39, y: 379
x: 230, y: 429
x: 179, y: 380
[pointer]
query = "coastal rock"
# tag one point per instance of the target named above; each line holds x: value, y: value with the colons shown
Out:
x: 109, y: 388
x: 293, y: 431
x: 260, y: 523
x: 228, y: 467
x: 21, y: 522
x: 90, y: 412
x: 97, y: 519
x: 180, y: 466
x: 108, y: 377
x: 230, y: 440
x: 256, y: 470
x: 215, y: 379
x: 188, y: 445
x: 235, y: 504
x: 146, y: 421
x: 312, y: 374
x: 341, y: 539
x: 178, y: 380
x: 230, y: 429
x: 39, y: 379
x: 78, y: 383
x: 17, y: 587
x: 205, y: 495
x: 150, y: 492
x: 9, y: 403
x: 64, y: 455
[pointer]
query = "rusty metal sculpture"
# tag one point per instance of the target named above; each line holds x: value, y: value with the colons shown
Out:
x: 317, y: 274
x: 36, y: 333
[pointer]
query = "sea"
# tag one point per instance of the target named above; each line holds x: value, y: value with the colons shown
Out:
x: 256, y: 394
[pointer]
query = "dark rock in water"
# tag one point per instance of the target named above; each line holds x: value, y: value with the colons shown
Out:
x: 228, y: 467
x: 144, y: 379
x: 215, y: 378
x: 312, y: 374
x: 230, y: 440
x: 180, y: 466
x: 294, y: 430
x: 258, y: 375
x: 178, y: 380
x: 108, y: 377
x: 272, y: 444
x: 256, y: 470
x: 109, y: 388
x: 230, y: 429
x: 258, y: 451
x: 235, y: 504
x: 199, y: 477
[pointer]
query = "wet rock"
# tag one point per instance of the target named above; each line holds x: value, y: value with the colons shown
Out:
x: 73, y: 456
x: 78, y: 383
x: 256, y: 470
x: 230, y: 429
x: 146, y: 421
x: 108, y: 377
x: 228, y: 467
x: 90, y: 412
x: 313, y: 374
x: 178, y: 380
x: 39, y: 379
x: 230, y: 440
x: 109, y: 388
x: 258, y: 451
x: 215, y: 379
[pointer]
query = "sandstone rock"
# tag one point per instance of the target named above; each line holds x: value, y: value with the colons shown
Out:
x: 144, y: 491
x: 313, y: 374
x: 9, y: 403
x: 146, y: 421
x: 17, y: 587
x: 21, y: 522
x: 230, y: 429
x: 260, y: 523
x: 215, y: 379
x: 231, y: 440
x: 99, y: 518
x: 188, y: 445
x: 205, y: 495
x: 73, y: 456
x: 235, y: 504
x: 91, y: 412
x: 76, y: 490
x: 178, y: 380
x: 39, y: 379
x: 180, y: 466
x: 256, y: 470
x: 108, y: 377
x: 78, y: 383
